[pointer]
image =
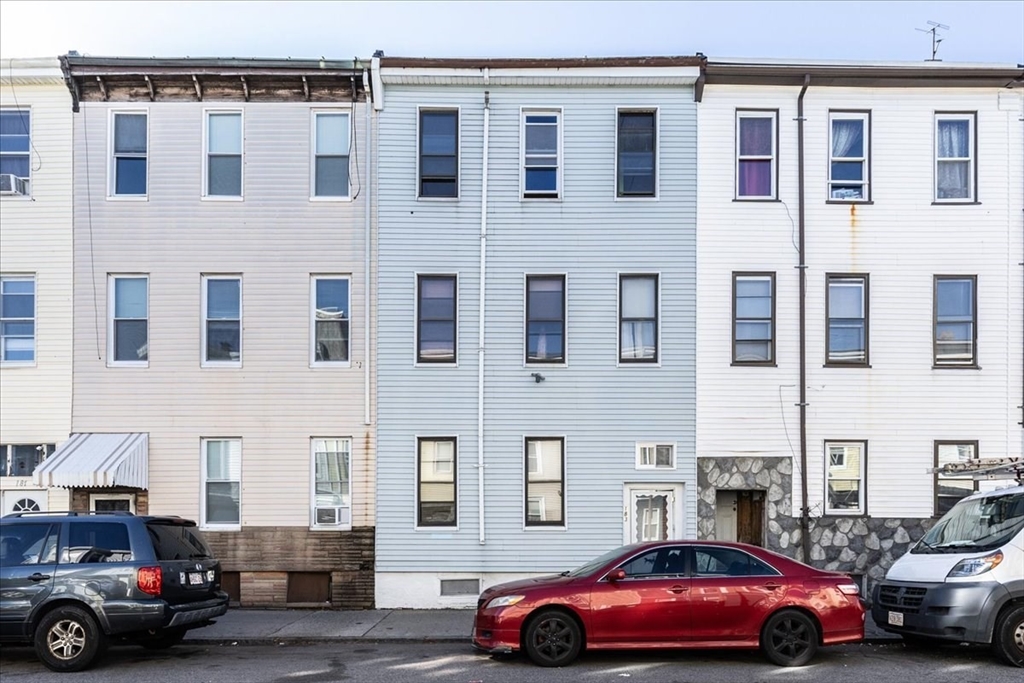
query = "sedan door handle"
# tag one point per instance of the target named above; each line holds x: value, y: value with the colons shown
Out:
x: 772, y: 586
x: 39, y: 577
x: 677, y: 589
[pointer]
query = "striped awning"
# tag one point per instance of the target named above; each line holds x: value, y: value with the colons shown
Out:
x: 96, y: 460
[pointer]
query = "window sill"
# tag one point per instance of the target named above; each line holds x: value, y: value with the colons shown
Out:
x: 17, y: 364
x: 544, y: 200
x: 753, y: 364
x: 847, y: 365
x: 637, y: 198
x: 756, y: 200
x: 437, y: 199
x: 957, y: 202
x: 332, y: 200
x: 844, y: 513
x: 16, y: 198
x: 127, y: 364
x: 220, y: 366
x: 850, y: 201
x: 436, y: 529
x: 545, y: 527
x: 128, y: 198
x: 221, y: 198
x: 638, y: 364
x: 336, y: 527
x: 422, y: 364
x: 643, y: 468
x: 955, y: 367
x: 337, y: 365
x: 220, y: 527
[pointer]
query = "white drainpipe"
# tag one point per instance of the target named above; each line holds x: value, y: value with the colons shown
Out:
x: 368, y: 279
x: 480, y: 333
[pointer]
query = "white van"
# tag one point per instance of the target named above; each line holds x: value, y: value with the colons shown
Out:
x: 964, y: 581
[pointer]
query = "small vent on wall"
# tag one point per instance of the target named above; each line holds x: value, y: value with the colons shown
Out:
x: 460, y: 587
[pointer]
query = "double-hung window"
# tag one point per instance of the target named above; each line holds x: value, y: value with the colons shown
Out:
x: 847, y: 316
x: 753, y: 318
x: 222, y: 320
x: 129, y: 320
x: 756, y: 157
x: 439, y: 153
x: 129, y: 162
x: 638, y: 319
x: 955, y: 321
x: 332, y: 495
x: 541, y: 143
x: 635, y: 158
x: 330, y: 320
x: 436, y: 469
x: 545, y: 319
x: 223, y: 154
x: 849, y: 145
x: 545, y: 482
x: 845, y: 467
x: 15, y: 151
x: 436, y: 319
x: 955, y: 175
x: 951, y: 488
x: 222, y: 483
x: 17, y: 319
x: 332, y: 133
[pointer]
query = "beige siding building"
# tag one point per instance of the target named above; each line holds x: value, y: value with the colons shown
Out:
x: 35, y: 277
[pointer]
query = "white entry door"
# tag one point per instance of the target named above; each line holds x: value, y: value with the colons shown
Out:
x: 653, y: 512
x: 24, y: 500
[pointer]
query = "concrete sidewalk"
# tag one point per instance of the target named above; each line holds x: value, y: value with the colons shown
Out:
x: 256, y: 626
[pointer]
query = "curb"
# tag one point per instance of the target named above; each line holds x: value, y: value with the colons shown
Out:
x: 464, y: 640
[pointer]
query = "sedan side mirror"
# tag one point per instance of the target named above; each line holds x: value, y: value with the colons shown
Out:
x: 617, y: 575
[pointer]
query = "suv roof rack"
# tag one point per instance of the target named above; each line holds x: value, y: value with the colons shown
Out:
x: 69, y: 513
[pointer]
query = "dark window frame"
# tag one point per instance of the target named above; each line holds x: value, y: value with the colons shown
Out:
x: 751, y: 113
x: 656, y: 319
x: 936, y: 363
x: 850, y: 114
x: 527, y: 320
x: 420, y: 155
x: 865, y: 279
x: 935, y: 476
x: 561, y: 522
x: 620, y: 191
x: 973, y: 118
x: 420, y: 358
x: 420, y: 523
x: 770, y: 275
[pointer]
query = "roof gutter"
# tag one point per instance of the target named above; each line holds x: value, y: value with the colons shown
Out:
x: 805, y: 516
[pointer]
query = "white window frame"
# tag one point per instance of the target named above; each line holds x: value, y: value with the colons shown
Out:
x: 206, y: 196
x: 341, y: 525
x: 657, y: 154
x: 458, y: 152
x: 641, y: 446
x: 972, y: 175
x: 204, y: 321
x: 112, y: 361
x: 313, y: 362
x: 28, y: 179
x: 559, y: 192
x: 773, y: 157
x: 112, y: 161
x: 862, y: 492
x: 417, y: 483
x: 865, y: 183
x: 35, y: 321
x: 564, y: 363
x: 313, y: 114
x: 204, y: 524
x: 618, y: 321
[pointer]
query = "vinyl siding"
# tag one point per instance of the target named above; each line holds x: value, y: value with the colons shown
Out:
x: 599, y: 408
x: 900, y: 405
x: 274, y: 240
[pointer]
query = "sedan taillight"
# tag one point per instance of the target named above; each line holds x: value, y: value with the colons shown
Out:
x: 848, y: 588
x: 150, y: 580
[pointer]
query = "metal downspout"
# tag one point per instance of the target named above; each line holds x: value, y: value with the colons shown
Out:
x: 805, y: 510
x: 481, y: 330
x: 367, y: 247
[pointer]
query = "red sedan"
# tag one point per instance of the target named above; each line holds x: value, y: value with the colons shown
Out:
x: 673, y: 594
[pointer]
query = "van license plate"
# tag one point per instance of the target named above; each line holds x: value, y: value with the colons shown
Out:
x: 196, y: 579
x: 896, y: 618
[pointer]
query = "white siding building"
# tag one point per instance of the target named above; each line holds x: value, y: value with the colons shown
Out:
x: 909, y: 215
x: 35, y: 277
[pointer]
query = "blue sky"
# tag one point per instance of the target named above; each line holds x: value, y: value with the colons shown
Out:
x: 979, y: 31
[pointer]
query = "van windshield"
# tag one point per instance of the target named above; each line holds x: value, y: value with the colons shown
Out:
x: 976, y: 525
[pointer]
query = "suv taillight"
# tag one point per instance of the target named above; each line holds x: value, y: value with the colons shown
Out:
x: 150, y: 580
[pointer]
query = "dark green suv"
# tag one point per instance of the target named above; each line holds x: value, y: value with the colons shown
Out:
x: 70, y: 582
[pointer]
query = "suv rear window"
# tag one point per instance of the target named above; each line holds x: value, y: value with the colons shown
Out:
x: 98, y: 542
x: 177, y: 541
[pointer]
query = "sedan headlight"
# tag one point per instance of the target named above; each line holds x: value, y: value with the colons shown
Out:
x: 976, y: 565
x: 505, y: 601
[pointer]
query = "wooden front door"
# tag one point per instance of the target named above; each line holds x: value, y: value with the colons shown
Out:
x: 750, y: 517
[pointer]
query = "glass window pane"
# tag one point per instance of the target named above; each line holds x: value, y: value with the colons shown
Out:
x: 753, y: 307
x: 956, y: 298
x: 954, y: 179
x: 331, y: 177
x: 638, y: 297
x: 225, y: 176
x: 129, y: 134
x: 541, y: 180
x: 130, y: 297
x: 130, y: 340
x: 223, y: 298
x: 224, y: 459
x: 15, y: 165
x: 331, y: 340
x: 225, y: 134
x: 845, y: 300
x: 753, y: 330
x: 541, y: 139
x: 847, y: 192
x: 756, y: 136
x: 332, y: 296
x: 846, y: 341
x: 332, y: 135
x: 954, y: 139
x: 222, y: 502
x: 544, y: 341
x: 638, y: 340
x: 439, y: 188
x: 847, y: 170
x: 223, y: 340
x: 438, y: 132
x: 545, y: 299
x: 749, y: 287
x: 755, y: 178
x: 847, y: 138
x: 438, y: 167
x: 131, y: 176
x: 752, y: 351
x: 14, y: 125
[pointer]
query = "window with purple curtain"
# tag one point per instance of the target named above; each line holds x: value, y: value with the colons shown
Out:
x: 755, y: 161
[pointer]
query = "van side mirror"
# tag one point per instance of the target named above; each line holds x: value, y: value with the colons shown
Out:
x: 617, y: 575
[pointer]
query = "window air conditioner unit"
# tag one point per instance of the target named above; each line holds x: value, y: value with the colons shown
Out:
x: 11, y: 184
x: 330, y: 516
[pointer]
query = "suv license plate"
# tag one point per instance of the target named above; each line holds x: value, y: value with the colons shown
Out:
x: 196, y: 579
x: 895, y: 618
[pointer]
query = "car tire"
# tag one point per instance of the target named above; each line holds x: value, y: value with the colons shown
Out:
x: 1008, y: 637
x: 789, y: 638
x: 552, y: 638
x: 163, y: 639
x: 68, y: 639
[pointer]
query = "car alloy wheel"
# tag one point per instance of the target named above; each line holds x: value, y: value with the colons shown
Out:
x: 68, y: 639
x: 790, y: 638
x: 553, y: 639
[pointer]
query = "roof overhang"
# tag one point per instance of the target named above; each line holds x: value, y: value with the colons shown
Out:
x: 33, y: 71
x: 97, y: 460
x: 865, y: 74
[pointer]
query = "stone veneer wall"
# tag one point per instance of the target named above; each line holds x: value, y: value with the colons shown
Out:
x: 263, y: 556
x: 855, y: 545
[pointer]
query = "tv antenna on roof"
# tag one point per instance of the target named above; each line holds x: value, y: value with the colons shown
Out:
x: 935, y: 26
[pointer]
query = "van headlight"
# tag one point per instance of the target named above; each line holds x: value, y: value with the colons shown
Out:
x: 976, y: 565
x: 505, y: 601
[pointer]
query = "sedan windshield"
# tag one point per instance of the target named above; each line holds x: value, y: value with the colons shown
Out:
x: 598, y: 562
x: 976, y: 524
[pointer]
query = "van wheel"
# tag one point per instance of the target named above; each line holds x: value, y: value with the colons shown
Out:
x: 1008, y: 637
x: 68, y: 639
x: 163, y: 639
x: 789, y: 638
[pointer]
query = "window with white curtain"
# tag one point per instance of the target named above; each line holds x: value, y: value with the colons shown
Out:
x: 756, y: 143
x: 222, y: 483
x: 954, y: 157
x: 638, y: 318
x: 848, y: 158
x: 545, y: 319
